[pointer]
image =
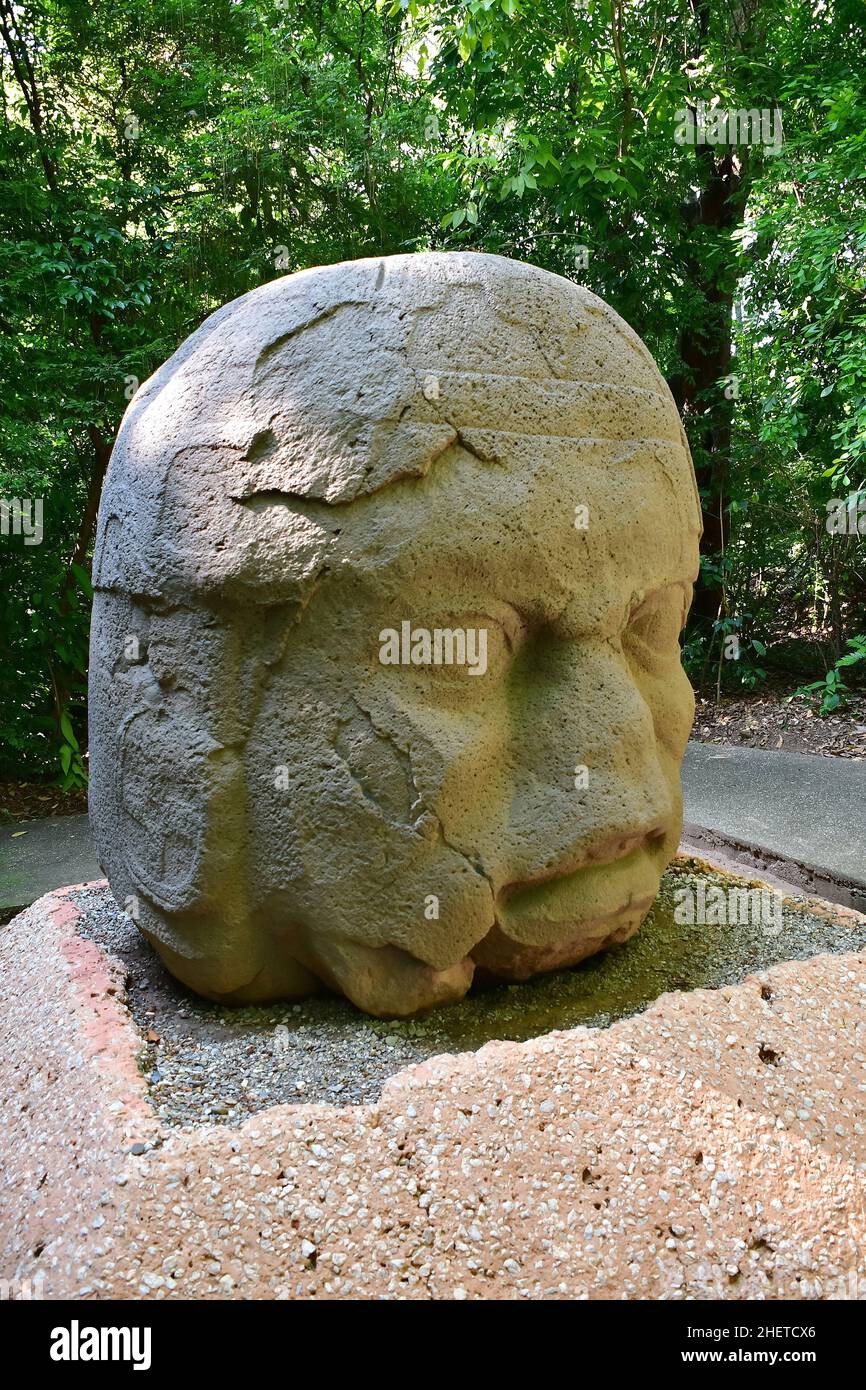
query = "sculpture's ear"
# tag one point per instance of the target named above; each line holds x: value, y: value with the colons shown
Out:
x: 170, y: 782
x: 120, y: 561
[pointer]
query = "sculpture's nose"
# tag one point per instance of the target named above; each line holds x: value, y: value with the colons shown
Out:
x: 585, y: 780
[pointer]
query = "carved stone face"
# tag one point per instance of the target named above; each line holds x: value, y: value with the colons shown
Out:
x: 392, y: 562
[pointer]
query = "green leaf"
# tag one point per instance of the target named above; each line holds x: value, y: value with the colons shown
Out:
x: 67, y: 731
x: 83, y: 579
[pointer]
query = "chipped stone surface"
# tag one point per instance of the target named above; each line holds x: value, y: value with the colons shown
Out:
x: 711, y: 1147
x: 287, y: 794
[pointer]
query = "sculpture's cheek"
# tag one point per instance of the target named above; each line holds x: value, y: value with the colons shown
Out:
x: 344, y: 843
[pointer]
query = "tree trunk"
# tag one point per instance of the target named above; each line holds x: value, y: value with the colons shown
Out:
x: 705, y: 354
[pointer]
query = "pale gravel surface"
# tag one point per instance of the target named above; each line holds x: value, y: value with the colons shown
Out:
x: 208, y: 1063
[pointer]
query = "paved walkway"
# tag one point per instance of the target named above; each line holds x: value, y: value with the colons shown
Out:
x: 795, y: 806
x: 38, y: 855
x: 791, y: 806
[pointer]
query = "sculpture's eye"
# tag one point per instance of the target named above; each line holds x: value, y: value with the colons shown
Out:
x: 474, y: 649
x: 466, y: 653
x: 651, y: 636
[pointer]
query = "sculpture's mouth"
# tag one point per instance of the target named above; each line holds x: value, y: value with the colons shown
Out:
x: 603, y: 858
x: 566, y: 916
x: 603, y: 891
x: 615, y: 861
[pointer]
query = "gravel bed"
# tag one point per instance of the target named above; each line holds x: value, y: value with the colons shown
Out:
x: 206, y: 1063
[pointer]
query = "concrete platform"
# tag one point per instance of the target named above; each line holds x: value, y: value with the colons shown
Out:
x: 710, y: 1147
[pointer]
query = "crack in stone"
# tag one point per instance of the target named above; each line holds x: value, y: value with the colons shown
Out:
x: 403, y: 760
x: 321, y: 317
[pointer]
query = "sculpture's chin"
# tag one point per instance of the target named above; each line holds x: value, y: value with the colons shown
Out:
x: 384, y: 981
x: 389, y: 982
x: 537, y: 927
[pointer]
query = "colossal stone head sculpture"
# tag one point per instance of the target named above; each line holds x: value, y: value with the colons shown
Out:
x: 385, y: 681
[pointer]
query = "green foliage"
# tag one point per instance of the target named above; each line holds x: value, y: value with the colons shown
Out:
x: 739, y: 655
x: 834, y: 693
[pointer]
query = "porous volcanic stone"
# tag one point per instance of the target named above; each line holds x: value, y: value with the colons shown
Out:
x: 385, y: 681
x: 712, y: 1147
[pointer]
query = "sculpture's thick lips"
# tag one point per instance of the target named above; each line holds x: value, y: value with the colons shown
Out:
x: 650, y: 842
x: 544, y: 910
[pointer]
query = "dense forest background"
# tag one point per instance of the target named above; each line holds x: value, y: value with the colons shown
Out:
x: 160, y: 157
